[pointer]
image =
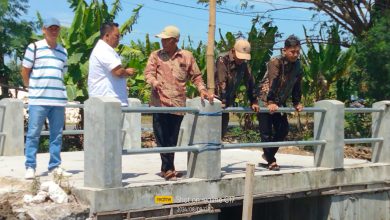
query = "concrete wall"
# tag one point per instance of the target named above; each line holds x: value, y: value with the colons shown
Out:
x: 362, y: 206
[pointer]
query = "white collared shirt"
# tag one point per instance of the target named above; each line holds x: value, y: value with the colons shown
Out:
x: 101, y: 81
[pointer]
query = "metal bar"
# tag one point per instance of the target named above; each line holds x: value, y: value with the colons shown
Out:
x: 66, y: 106
x: 265, y: 110
x: 2, y: 134
x: 362, y: 140
x: 192, y: 148
x: 160, y: 109
x: 65, y: 132
x: 363, y: 110
x: 273, y: 144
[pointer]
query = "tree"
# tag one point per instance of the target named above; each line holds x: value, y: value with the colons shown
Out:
x: 355, y: 16
x: 326, y: 65
x: 14, y: 37
x: 374, y: 56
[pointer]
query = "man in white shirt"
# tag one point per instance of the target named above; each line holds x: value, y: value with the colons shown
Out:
x: 106, y: 75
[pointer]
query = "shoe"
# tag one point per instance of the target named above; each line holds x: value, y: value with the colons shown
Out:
x: 58, y: 171
x: 30, y: 173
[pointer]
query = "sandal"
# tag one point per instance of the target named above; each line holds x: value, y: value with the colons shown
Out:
x: 170, y: 175
x: 273, y: 166
x: 177, y: 174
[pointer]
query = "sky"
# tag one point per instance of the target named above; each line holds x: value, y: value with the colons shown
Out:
x: 191, y: 18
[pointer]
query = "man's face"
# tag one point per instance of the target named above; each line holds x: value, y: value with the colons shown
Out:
x: 112, y: 38
x: 52, y: 32
x: 292, y: 53
x: 237, y: 60
x: 169, y: 44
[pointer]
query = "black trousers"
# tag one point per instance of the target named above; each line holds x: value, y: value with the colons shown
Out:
x: 273, y: 127
x: 166, y: 129
x: 225, y: 123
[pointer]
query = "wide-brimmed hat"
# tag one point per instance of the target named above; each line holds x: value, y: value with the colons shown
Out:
x: 169, y: 32
x: 242, y: 49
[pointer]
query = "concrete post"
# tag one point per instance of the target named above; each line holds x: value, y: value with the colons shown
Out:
x: 12, y: 125
x: 131, y: 135
x: 381, y: 128
x: 206, y: 129
x: 185, y: 128
x: 329, y: 126
x: 102, y: 148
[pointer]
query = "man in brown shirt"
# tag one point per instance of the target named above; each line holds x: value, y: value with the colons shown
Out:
x: 168, y: 71
x: 282, y: 79
x: 231, y: 69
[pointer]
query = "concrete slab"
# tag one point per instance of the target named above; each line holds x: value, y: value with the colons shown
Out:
x: 144, y: 169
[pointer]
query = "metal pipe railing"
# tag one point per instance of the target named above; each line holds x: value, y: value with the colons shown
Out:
x: 160, y: 110
x: 363, y: 110
x: 64, y: 132
x: 66, y: 106
x: 273, y: 144
x: 362, y: 140
x: 265, y: 110
x: 192, y: 148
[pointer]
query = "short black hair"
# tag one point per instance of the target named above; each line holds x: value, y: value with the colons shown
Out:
x: 292, y: 41
x: 107, y: 28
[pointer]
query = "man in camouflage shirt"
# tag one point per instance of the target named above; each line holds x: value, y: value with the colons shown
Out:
x: 231, y: 69
x: 282, y: 79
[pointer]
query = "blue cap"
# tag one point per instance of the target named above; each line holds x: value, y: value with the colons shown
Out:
x: 50, y: 22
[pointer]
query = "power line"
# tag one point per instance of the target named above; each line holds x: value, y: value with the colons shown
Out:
x: 232, y: 13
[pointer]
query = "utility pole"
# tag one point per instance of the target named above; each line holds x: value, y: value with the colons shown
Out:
x: 210, y: 48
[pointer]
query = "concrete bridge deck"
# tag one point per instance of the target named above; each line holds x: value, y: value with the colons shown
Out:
x: 140, y: 170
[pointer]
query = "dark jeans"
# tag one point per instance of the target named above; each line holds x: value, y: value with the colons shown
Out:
x: 225, y: 123
x: 273, y: 127
x: 166, y: 129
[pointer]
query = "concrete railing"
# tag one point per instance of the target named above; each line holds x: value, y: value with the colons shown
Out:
x: 201, y: 137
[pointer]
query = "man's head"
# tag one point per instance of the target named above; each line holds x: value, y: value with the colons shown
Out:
x: 169, y: 38
x: 241, y: 51
x: 109, y: 33
x: 51, y: 29
x: 292, y: 48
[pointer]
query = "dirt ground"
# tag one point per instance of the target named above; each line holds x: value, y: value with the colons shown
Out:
x: 12, y: 206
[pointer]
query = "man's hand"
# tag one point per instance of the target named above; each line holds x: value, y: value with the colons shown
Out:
x: 130, y: 71
x: 209, y: 95
x: 119, y: 71
x: 298, y: 107
x: 255, y: 107
x: 273, y: 107
x: 156, y: 85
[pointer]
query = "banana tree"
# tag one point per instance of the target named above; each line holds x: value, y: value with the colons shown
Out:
x: 82, y: 36
x: 136, y: 56
x: 324, y: 66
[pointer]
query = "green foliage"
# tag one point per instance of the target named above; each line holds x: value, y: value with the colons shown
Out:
x: 136, y: 56
x: 244, y: 136
x: 14, y: 38
x: 357, y: 125
x: 324, y: 66
x: 374, y: 56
